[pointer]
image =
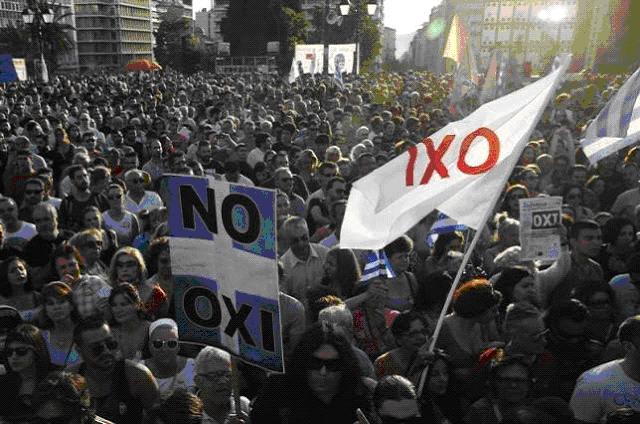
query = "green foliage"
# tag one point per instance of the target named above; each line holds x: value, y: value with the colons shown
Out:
x: 296, y: 28
x: 250, y: 24
x: 367, y: 27
x: 22, y: 41
x: 176, y: 47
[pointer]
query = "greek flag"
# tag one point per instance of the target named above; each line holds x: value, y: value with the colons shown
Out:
x: 618, y: 123
x: 377, y: 266
x: 443, y: 225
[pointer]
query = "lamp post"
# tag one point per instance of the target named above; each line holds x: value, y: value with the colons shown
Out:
x: 37, y: 18
x: 345, y: 9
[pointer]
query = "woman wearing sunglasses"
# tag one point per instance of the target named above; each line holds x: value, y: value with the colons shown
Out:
x: 27, y: 363
x: 323, y: 384
x: 171, y: 370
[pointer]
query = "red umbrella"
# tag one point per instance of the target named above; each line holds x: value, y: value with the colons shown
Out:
x: 142, y: 65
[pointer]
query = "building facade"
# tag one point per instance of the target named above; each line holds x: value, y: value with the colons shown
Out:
x: 111, y: 33
x: 205, y: 20
x: 389, y: 45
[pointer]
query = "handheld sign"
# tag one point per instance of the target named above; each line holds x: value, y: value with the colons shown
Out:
x: 539, y: 219
x: 223, y: 256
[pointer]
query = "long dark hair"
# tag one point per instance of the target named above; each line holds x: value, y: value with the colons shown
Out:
x: 348, y: 270
x: 5, y: 287
x: 32, y: 336
x: 311, y: 340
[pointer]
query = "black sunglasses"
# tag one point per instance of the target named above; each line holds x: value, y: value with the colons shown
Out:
x: 20, y: 351
x: 171, y: 344
x: 99, y: 347
x: 330, y: 364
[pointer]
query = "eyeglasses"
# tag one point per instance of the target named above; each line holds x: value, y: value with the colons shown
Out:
x: 159, y: 344
x: 20, y: 351
x: 99, y: 347
x: 137, y: 180
x: 115, y: 197
x: 329, y: 364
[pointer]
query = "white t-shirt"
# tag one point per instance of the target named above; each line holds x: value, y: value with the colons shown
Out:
x: 604, y: 389
x: 150, y: 200
x: 19, y: 239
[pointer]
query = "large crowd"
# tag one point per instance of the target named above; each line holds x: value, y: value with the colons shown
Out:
x: 87, y: 316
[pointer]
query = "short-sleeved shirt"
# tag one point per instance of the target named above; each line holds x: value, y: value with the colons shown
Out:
x: 604, y: 389
x: 302, y: 275
x: 18, y: 239
x: 150, y: 200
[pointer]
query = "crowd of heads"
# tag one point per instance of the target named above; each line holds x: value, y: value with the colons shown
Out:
x: 88, y: 327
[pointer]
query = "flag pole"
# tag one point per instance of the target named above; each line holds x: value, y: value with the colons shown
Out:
x: 456, y: 281
x: 469, y: 251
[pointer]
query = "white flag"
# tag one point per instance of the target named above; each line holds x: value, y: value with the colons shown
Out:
x: 460, y: 170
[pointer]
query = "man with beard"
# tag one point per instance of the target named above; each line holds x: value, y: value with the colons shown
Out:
x: 80, y: 197
x: 121, y: 389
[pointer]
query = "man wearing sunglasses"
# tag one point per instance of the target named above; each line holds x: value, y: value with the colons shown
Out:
x: 121, y: 389
x: 303, y: 261
x: 137, y: 197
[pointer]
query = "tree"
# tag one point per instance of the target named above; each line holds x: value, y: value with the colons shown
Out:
x: 368, y: 28
x: 296, y: 27
x: 21, y: 41
x: 176, y: 46
x: 250, y: 24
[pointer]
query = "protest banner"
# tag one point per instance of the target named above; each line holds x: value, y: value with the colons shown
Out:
x: 224, y: 262
x: 308, y: 59
x: 341, y: 58
x: 21, y: 69
x: 539, y: 220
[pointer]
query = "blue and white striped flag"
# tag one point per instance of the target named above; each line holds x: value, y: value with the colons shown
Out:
x: 443, y: 225
x: 618, y: 123
x: 377, y: 266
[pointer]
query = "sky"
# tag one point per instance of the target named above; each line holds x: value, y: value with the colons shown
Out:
x: 405, y: 16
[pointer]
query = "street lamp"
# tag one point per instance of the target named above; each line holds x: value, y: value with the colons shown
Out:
x: 37, y: 18
x: 345, y: 8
